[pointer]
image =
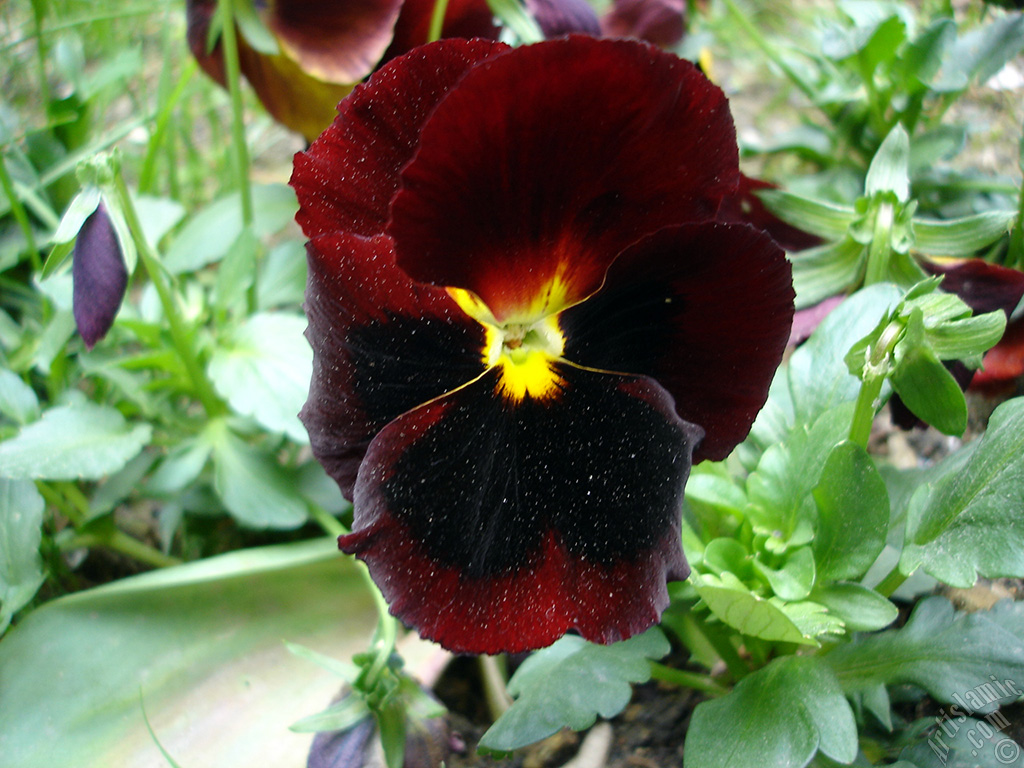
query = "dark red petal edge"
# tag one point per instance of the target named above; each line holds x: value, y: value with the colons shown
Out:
x: 492, y: 529
x: 381, y: 346
x: 345, y: 180
x: 745, y: 207
x: 703, y: 309
x: 555, y: 157
x: 462, y: 18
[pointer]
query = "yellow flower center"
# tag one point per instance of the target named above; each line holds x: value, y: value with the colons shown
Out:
x: 524, y: 352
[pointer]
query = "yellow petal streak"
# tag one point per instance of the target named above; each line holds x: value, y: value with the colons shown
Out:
x: 524, y: 352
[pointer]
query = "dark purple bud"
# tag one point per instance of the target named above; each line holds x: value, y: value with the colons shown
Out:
x: 99, y: 275
x: 563, y: 17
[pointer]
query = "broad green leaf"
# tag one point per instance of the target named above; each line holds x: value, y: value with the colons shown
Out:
x: 21, y: 569
x: 794, y: 579
x: 71, y: 442
x: 889, y: 168
x: 263, y: 371
x: 853, y: 514
x: 209, y: 234
x: 282, y: 278
x: 818, y: 376
x: 969, y: 522
x: 828, y: 270
x: 17, y: 400
x: 255, y: 488
x: 922, y: 57
x: 957, y: 741
x: 200, y: 646
x: 779, y: 716
x: 963, y: 236
x: 733, y: 603
x: 237, y: 270
x: 812, y: 619
x: 727, y: 555
x: 569, y: 684
x: 967, y: 338
x: 180, y: 468
x: 981, y: 52
x: 861, y: 609
x: 946, y: 653
x: 818, y: 217
x: 929, y: 390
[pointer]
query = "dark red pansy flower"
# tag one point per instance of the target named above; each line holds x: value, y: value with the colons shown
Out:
x: 99, y: 277
x: 326, y: 47
x: 527, y: 323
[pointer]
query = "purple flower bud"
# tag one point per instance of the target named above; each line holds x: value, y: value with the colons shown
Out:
x: 99, y: 275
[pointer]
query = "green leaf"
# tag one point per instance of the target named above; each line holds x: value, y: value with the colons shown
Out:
x: 827, y: 270
x: 733, y: 603
x: 779, y: 716
x: 981, y: 52
x: 513, y: 14
x: 818, y: 376
x: 861, y: 609
x: 944, y: 652
x: 17, y: 400
x: 237, y: 270
x: 818, y: 217
x: 208, y: 235
x: 889, y: 168
x: 569, y: 684
x: 79, y: 209
x: 853, y: 514
x: 255, y: 488
x: 957, y: 741
x: 340, y: 716
x: 282, y: 279
x: 921, y: 58
x: 263, y: 371
x: 969, y: 522
x: 963, y: 236
x: 929, y: 390
x: 967, y: 338
x: 21, y: 569
x: 197, y: 644
x: 255, y: 32
x: 71, y: 442
x: 793, y: 581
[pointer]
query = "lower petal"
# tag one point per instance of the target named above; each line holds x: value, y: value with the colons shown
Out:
x: 495, y: 526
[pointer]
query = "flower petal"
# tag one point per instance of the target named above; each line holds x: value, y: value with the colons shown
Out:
x: 346, y: 179
x: 99, y: 277
x: 335, y: 42
x: 381, y: 345
x: 563, y: 17
x: 703, y: 309
x: 662, y: 22
x: 540, y: 167
x: 745, y: 207
x: 493, y: 528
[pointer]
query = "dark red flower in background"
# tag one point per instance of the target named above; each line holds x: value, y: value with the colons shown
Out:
x: 527, y: 322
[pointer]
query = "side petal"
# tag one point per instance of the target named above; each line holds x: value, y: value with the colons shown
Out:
x: 703, y: 309
x: 493, y: 528
x: 332, y: 41
x: 381, y: 346
x: 541, y: 166
x: 346, y: 179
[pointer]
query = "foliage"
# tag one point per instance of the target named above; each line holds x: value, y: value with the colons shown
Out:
x: 176, y: 438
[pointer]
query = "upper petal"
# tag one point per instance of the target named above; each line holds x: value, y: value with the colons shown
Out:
x: 662, y: 22
x: 338, y: 42
x: 462, y: 18
x: 345, y: 180
x: 491, y: 527
x: 542, y: 165
x: 703, y: 309
x: 381, y: 346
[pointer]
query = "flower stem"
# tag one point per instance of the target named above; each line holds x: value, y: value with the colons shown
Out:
x: 437, y: 20
x: 20, y: 216
x: 880, y: 249
x: 495, y: 692
x: 229, y: 44
x: 121, y: 542
x: 684, y: 679
x: 891, y: 582
x: 722, y: 645
x: 179, y: 330
x: 864, y: 411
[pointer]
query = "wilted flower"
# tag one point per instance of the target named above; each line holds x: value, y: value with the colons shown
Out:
x: 526, y: 323
x: 99, y: 276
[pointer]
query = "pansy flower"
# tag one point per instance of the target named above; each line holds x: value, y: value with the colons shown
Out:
x: 527, y: 323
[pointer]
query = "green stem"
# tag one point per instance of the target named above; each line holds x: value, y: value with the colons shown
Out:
x: 20, y: 216
x: 329, y: 523
x: 58, y: 500
x: 723, y: 646
x: 495, y: 690
x: 684, y: 679
x: 880, y: 249
x: 437, y: 20
x: 891, y: 582
x: 229, y: 46
x: 168, y: 300
x: 121, y: 542
x: 163, y: 122
x: 768, y: 49
x: 864, y: 411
